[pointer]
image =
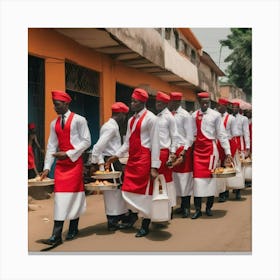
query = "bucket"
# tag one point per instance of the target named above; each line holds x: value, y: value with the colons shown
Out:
x: 161, y: 208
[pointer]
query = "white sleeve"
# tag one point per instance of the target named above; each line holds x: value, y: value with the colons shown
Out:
x: 189, y: 130
x: 222, y: 135
x: 246, y: 132
x: 155, y: 143
x: 84, y: 137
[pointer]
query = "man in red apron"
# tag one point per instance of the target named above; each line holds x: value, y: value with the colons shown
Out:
x: 243, y: 139
x: 69, y: 138
x: 168, y: 137
x: 208, y: 128
x: 231, y: 130
x: 183, y: 171
x: 142, y: 144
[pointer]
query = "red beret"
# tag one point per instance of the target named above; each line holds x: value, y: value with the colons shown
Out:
x: 140, y: 94
x: 162, y: 97
x: 223, y: 101
x: 61, y: 96
x: 235, y: 104
x: 119, y: 107
x: 31, y: 126
x: 203, y: 94
x: 176, y: 96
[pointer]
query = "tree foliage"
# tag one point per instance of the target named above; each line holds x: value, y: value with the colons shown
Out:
x: 239, y: 70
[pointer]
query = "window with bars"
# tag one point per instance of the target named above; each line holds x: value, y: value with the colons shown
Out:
x: 81, y: 79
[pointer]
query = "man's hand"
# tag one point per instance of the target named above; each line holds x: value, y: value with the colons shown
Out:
x: 109, y: 161
x: 60, y: 155
x: 44, y: 174
x: 247, y: 153
x: 154, y: 173
x: 172, y: 157
x: 229, y: 161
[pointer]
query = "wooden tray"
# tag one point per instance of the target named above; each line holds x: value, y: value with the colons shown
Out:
x: 93, y: 187
x: 246, y: 163
x: 224, y: 175
x: 109, y: 175
x: 44, y: 183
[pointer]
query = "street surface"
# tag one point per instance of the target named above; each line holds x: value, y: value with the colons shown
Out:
x: 228, y: 230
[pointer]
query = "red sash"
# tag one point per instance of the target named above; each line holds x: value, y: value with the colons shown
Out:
x: 68, y: 175
x: 167, y: 172
x: 232, y: 143
x: 138, y: 167
x: 240, y: 143
x: 31, y: 159
x: 203, y: 158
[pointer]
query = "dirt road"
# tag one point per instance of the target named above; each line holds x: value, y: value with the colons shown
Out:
x: 229, y: 230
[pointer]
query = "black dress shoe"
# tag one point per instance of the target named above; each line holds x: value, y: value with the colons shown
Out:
x: 133, y: 219
x: 222, y: 199
x: 53, y: 241
x: 71, y: 235
x: 142, y: 232
x: 209, y: 212
x: 185, y: 213
x: 197, y: 214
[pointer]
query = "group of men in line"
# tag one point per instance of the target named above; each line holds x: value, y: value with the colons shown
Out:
x: 184, y: 148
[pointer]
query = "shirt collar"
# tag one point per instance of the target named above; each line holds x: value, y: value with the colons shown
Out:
x: 139, y: 114
x: 66, y: 115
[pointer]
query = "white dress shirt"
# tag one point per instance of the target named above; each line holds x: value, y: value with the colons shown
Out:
x: 149, y: 136
x: 184, y: 127
x: 242, y: 124
x: 79, y: 138
x: 212, y: 127
x: 168, y: 135
x: 109, y: 142
x: 231, y: 127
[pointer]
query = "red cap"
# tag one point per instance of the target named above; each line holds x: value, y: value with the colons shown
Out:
x: 162, y: 97
x: 203, y: 94
x: 140, y: 94
x: 61, y: 96
x: 176, y: 96
x: 223, y: 101
x: 235, y: 104
x: 31, y: 126
x: 119, y: 107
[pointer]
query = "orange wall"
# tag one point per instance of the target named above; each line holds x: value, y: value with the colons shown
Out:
x: 56, y: 48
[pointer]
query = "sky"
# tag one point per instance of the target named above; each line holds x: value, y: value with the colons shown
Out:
x: 209, y: 39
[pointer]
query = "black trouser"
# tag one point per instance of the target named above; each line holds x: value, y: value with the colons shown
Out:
x: 198, y: 200
x: 186, y: 202
x: 58, y: 226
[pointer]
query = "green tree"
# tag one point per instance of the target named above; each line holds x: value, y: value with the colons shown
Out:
x: 239, y: 70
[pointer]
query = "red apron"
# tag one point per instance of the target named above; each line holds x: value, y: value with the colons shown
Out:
x: 232, y: 143
x: 250, y: 130
x: 68, y: 175
x: 203, y: 158
x: 31, y: 159
x: 138, y: 167
x: 167, y: 172
x: 240, y: 143
x: 187, y: 164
